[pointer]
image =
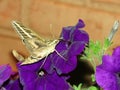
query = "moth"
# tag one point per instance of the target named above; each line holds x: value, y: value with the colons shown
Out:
x: 38, y: 47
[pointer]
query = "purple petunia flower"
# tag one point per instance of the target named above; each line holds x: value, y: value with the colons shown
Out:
x: 5, y: 73
x: 108, y: 73
x: 53, y: 73
x: 32, y: 78
x: 72, y: 44
x: 14, y: 85
x: 6, y: 81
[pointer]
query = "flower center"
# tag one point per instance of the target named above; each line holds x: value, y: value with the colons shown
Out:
x: 118, y: 77
x: 41, y: 73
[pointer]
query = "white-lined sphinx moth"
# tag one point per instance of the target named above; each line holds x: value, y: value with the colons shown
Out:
x: 37, y: 46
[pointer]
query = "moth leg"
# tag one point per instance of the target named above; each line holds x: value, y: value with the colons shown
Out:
x: 17, y: 55
x: 60, y: 55
x: 43, y: 62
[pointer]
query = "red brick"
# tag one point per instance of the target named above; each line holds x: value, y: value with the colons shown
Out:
x: 108, y: 1
x: 98, y: 22
x: 9, y: 10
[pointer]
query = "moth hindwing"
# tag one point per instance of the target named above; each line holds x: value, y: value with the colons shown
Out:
x: 37, y: 46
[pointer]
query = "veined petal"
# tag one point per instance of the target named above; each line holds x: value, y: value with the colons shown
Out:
x: 5, y: 73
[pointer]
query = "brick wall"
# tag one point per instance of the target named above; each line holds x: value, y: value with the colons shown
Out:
x: 99, y: 16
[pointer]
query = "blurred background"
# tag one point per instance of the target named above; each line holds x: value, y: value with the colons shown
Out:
x: 98, y: 15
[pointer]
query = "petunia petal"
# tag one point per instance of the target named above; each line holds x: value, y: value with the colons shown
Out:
x: 64, y: 64
x: 14, y: 85
x: 112, y: 63
x: 116, y: 51
x: 107, y: 63
x: 79, y: 35
x: 80, y: 24
x: 107, y: 80
x: 116, y: 59
x: 75, y: 48
x: 62, y: 45
x: 28, y: 73
x: 65, y: 34
x: 52, y: 82
x: 33, y: 81
x: 5, y: 73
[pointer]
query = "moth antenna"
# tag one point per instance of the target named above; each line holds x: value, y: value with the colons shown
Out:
x: 51, y: 29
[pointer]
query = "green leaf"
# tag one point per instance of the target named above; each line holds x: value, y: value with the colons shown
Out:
x: 93, y: 77
x: 77, y: 87
x: 95, y: 50
x: 93, y: 88
x: 92, y: 51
